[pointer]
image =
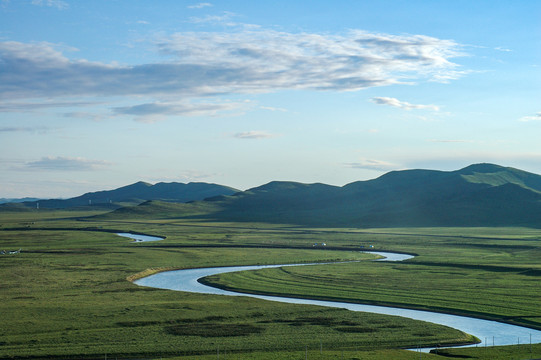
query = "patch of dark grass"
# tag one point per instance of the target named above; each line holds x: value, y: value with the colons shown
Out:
x: 136, y: 323
x: 127, y: 290
x: 213, y: 329
x: 323, y: 321
x: 531, y: 273
x: 356, y: 329
x: 423, y: 334
x: 302, y: 321
x: 393, y: 326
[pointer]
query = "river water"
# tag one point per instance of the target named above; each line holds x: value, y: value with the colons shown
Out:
x: 139, y: 237
x: 489, y: 332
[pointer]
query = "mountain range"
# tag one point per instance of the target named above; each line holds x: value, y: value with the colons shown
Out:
x: 135, y: 194
x: 477, y: 195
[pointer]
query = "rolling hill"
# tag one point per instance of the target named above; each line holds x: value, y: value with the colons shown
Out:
x: 135, y: 194
x: 478, y: 195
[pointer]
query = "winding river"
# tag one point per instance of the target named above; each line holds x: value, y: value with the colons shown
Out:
x: 489, y: 332
x: 140, y: 237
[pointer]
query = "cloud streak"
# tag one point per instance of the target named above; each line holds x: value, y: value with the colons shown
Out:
x: 536, y: 117
x: 402, y: 104
x: 59, y: 4
x: 151, y: 112
x: 368, y: 164
x: 66, y: 164
x: 210, y: 64
x: 449, y: 141
x: 199, y: 6
x: 40, y: 129
x: 254, y: 135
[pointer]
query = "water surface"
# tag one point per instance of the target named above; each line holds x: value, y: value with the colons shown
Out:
x: 139, y: 237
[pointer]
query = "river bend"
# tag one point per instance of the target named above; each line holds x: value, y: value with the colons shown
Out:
x: 489, y: 332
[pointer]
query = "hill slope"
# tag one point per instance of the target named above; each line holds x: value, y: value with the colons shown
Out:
x: 137, y: 193
x: 478, y: 195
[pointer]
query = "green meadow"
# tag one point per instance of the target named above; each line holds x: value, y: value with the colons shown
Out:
x: 68, y: 293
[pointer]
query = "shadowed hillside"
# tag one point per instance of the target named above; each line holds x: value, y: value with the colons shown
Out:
x: 478, y: 195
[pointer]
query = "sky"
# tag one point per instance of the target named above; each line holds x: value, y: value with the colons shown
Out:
x: 95, y: 95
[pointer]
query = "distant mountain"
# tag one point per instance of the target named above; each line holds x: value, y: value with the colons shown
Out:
x: 11, y: 200
x: 478, y: 195
x: 137, y: 193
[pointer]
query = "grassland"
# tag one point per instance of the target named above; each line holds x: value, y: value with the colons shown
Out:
x: 66, y: 295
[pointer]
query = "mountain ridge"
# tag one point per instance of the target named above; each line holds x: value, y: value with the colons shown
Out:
x: 477, y: 195
x: 135, y: 194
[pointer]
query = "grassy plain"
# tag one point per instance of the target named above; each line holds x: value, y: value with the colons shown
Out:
x: 66, y: 294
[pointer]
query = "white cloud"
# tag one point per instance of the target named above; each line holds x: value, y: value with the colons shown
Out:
x: 368, y: 164
x: 194, y: 175
x: 536, y: 117
x: 271, y: 108
x: 35, y: 106
x: 224, y: 19
x: 203, y: 64
x: 151, y: 112
x: 199, y: 6
x: 66, y: 164
x: 254, y: 135
x: 402, y: 104
x: 59, y: 4
x: 39, y: 129
x: 449, y: 141
x: 86, y: 115
x: 182, y: 176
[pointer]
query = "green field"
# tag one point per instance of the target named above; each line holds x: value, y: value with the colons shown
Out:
x: 67, y: 294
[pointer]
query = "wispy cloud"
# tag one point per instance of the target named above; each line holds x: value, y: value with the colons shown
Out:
x: 536, y: 117
x: 59, y: 4
x: 199, y: 6
x: 254, y: 135
x: 194, y: 175
x: 40, y: 129
x: 449, y: 141
x: 271, y: 108
x: 151, y: 112
x: 66, y: 164
x: 182, y: 176
x: 402, y: 104
x: 368, y: 164
x: 203, y: 64
x: 25, y: 106
x: 86, y: 115
x: 224, y: 19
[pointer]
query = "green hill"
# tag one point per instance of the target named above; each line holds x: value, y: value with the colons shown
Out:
x: 137, y: 193
x: 478, y: 195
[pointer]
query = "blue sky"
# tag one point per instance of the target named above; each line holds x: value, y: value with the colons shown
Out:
x: 99, y: 94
